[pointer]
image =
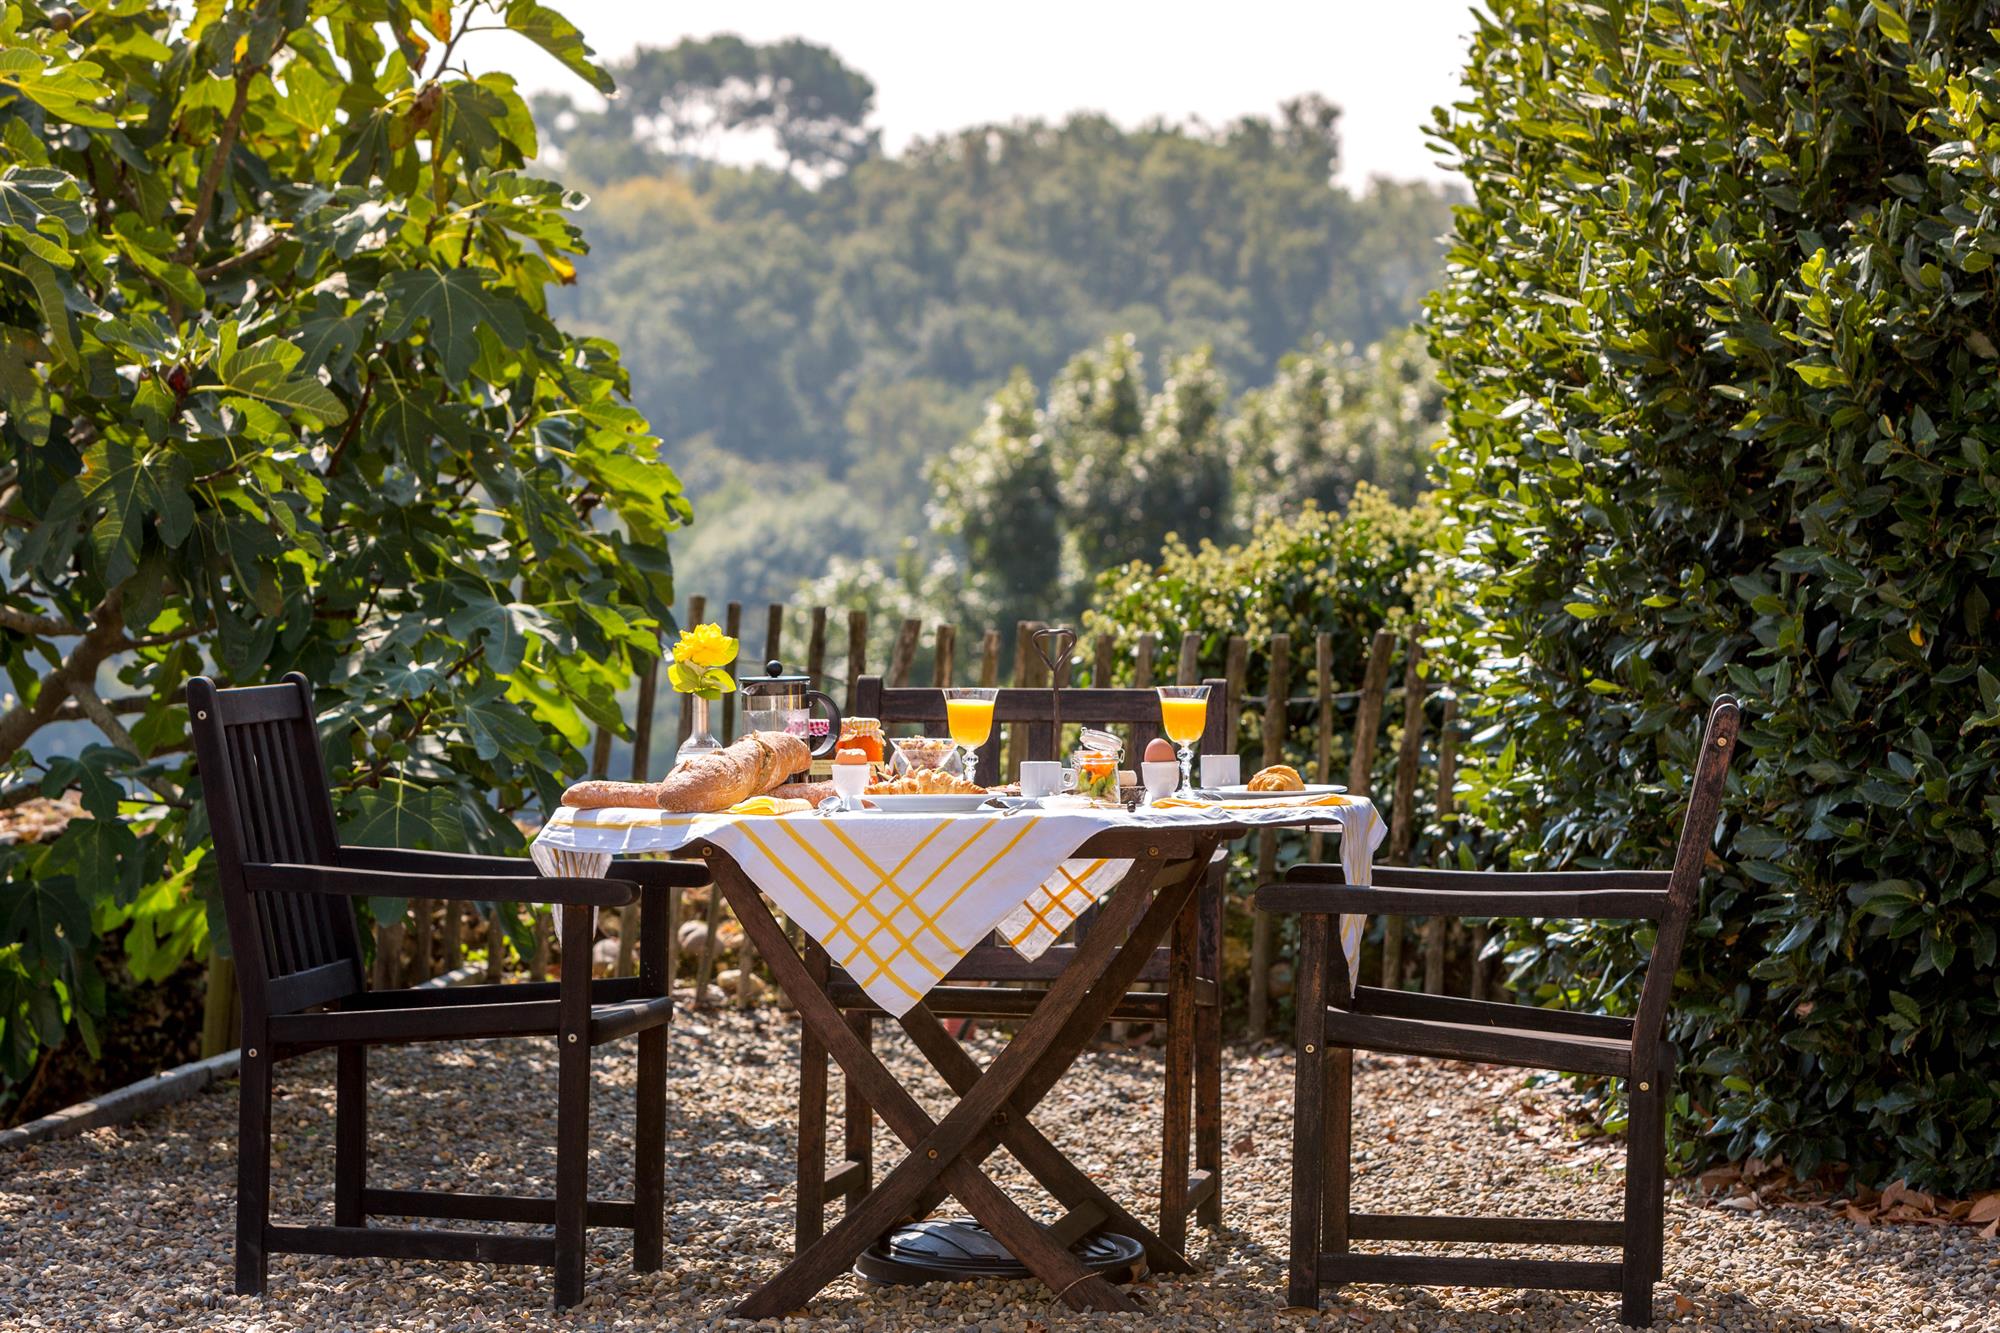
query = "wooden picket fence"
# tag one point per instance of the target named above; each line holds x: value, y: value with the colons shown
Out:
x: 435, y: 935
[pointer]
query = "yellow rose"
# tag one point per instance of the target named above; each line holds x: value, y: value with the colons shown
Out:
x: 705, y: 646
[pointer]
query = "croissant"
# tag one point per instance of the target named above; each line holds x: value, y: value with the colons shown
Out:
x: 748, y: 767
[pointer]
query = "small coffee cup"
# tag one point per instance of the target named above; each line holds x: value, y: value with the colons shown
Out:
x: 1221, y: 770
x: 1162, y: 776
x: 1045, y: 777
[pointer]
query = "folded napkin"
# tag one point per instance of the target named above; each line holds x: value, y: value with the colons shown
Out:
x: 769, y: 805
x: 1279, y: 800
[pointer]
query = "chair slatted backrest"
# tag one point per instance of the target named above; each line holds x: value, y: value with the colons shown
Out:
x: 1704, y: 812
x: 266, y: 792
x: 1136, y: 712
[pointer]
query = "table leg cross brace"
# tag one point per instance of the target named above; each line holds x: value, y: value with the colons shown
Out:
x: 1044, y: 1047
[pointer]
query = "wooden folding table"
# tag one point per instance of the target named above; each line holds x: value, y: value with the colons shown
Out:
x: 1155, y: 900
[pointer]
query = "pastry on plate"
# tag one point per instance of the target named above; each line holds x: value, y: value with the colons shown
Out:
x: 927, y: 782
x: 1278, y: 777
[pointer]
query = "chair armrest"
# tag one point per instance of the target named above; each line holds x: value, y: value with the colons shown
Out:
x: 660, y: 874
x: 1581, y: 904
x: 265, y: 877
x: 1485, y: 881
x: 409, y: 861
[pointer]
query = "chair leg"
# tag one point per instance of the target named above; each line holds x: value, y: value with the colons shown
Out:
x: 1339, y: 1070
x: 649, y: 1167
x: 859, y: 1130
x: 1208, y: 1056
x: 350, y: 1133
x: 572, y: 1109
x: 1309, y: 1118
x: 1645, y: 1168
x: 1177, y: 1114
x: 1670, y: 1063
x: 809, y: 1221
x: 253, y: 1171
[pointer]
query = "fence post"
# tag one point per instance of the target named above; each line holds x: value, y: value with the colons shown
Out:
x: 989, y: 658
x: 496, y: 946
x: 448, y: 935
x: 388, y: 954
x: 1368, y: 714
x: 628, y: 939
x: 1189, y: 670
x: 904, y: 655
x: 420, y: 941
x: 705, y: 965
x: 1277, y: 687
x: 1447, y: 758
x: 696, y: 605
x: 600, y: 754
x: 941, y: 663
x: 1028, y: 671
x: 1103, y: 663
x: 857, y: 654
x: 1235, y: 672
x: 746, y: 967
x: 538, y: 966
x: 774, y: 631
x: 642, y: 725
x: 732, y: 625
x: 816, y: 647
x: 1322, y: 728
x: 218, y: 1005
x: 1142, y: 660
x: 673, y: 936
x: 1403, y: 817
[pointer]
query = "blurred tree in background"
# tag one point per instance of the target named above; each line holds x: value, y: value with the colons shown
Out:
x: 816, y: 331
x: 1333, y: 418
x: 1043, y: 499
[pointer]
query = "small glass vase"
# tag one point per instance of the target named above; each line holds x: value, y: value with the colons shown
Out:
x: 700, y: 739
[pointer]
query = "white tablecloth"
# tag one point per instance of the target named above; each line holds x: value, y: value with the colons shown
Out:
x: 898, y: 899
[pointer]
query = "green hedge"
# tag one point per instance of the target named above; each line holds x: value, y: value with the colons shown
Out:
x: 1349, y: 573
x: 1718, y: 342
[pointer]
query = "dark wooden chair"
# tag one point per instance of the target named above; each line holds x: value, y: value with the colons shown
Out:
x: 289, y: 888
x: 993, y: 981
x: 1365, y: 1018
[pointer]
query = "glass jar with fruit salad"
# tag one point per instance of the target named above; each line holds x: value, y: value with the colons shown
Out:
x: 1096, y: 774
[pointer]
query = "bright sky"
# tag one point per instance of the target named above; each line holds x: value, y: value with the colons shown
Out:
x: 940, y: 67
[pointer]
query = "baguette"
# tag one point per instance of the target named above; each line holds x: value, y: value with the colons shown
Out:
x: 706, y: 783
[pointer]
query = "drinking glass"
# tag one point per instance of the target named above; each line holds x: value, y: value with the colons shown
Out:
x: 968, y: 712
x: 1183, y: 714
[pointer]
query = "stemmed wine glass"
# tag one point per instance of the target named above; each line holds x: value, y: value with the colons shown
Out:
x: 1183, y: 714
x: 968, y: 712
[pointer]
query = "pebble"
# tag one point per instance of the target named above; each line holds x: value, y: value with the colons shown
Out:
x: 129, y: 1229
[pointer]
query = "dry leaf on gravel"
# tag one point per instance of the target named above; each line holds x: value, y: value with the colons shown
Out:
x: 1899, y: 1194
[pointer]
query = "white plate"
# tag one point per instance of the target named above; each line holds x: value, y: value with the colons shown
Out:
x: 928, y: 805
x: 1239, y: 792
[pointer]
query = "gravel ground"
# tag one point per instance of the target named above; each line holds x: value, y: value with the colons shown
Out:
x: 130, y: 1228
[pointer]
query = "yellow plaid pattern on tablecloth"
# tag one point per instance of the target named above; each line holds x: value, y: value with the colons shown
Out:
x: 1055, y: 904
x: 895, y: 899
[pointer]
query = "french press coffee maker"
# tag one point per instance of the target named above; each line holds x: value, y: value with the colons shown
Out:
x: 775, y: 701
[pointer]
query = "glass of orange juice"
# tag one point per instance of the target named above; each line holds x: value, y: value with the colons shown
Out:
x: 1183, y: 714
x: 968, y: 713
